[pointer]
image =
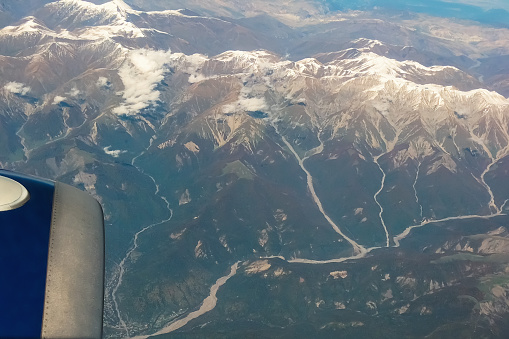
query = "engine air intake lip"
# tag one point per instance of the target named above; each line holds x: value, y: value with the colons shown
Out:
x: 12, y: 194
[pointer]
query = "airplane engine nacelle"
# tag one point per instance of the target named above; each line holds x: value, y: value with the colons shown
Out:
x: 51, y: 260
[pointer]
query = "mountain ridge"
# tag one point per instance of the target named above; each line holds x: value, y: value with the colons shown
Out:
x: 349, y: 168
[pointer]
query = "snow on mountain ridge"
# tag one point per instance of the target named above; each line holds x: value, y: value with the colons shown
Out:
x: 379, y: 69
x: 367, y: 44
x: 372, y: 63
x: 87, y: 10
x: 365, y: 64
x: 384, y: 91
x: 376, y: 79
x: 87, y: 20
x: 81, y: 19
x: 28, y: 24
x: 113, y: 7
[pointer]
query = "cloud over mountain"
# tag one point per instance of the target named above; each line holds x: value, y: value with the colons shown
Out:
x: 140, y: 74
x: 17, y: 88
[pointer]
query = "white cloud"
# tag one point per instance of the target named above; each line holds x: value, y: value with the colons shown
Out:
x: 252, y: 104
x: 58, y: 99
x: 193, y: 64
x: 246, y: 104
x: 102, y: 82
x: 251, y: 98
x: 113, y: 153
x: 140, y: 74
x: 74, y: 92
x: 196, y: 77
x: 17, y: 88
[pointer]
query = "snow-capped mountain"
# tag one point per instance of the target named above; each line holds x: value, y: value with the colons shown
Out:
x: 356, y: 161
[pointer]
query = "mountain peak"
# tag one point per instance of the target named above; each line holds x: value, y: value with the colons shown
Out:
x: 113, y: 8
x: 364, y: 43
x: 28, y: 24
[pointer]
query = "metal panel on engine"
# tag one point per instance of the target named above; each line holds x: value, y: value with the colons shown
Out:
x: 52, y: 260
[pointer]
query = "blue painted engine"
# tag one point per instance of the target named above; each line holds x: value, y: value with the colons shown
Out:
x: 51, y: 260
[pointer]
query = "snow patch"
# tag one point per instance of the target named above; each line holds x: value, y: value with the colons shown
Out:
x: 29, y: 26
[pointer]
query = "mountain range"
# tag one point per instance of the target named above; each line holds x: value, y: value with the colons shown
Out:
x: 273, y: 170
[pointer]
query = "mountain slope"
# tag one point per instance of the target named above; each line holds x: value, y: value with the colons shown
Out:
x: 334, y: 175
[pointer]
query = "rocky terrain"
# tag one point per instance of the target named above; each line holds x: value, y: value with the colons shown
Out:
x: 273, y: 172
